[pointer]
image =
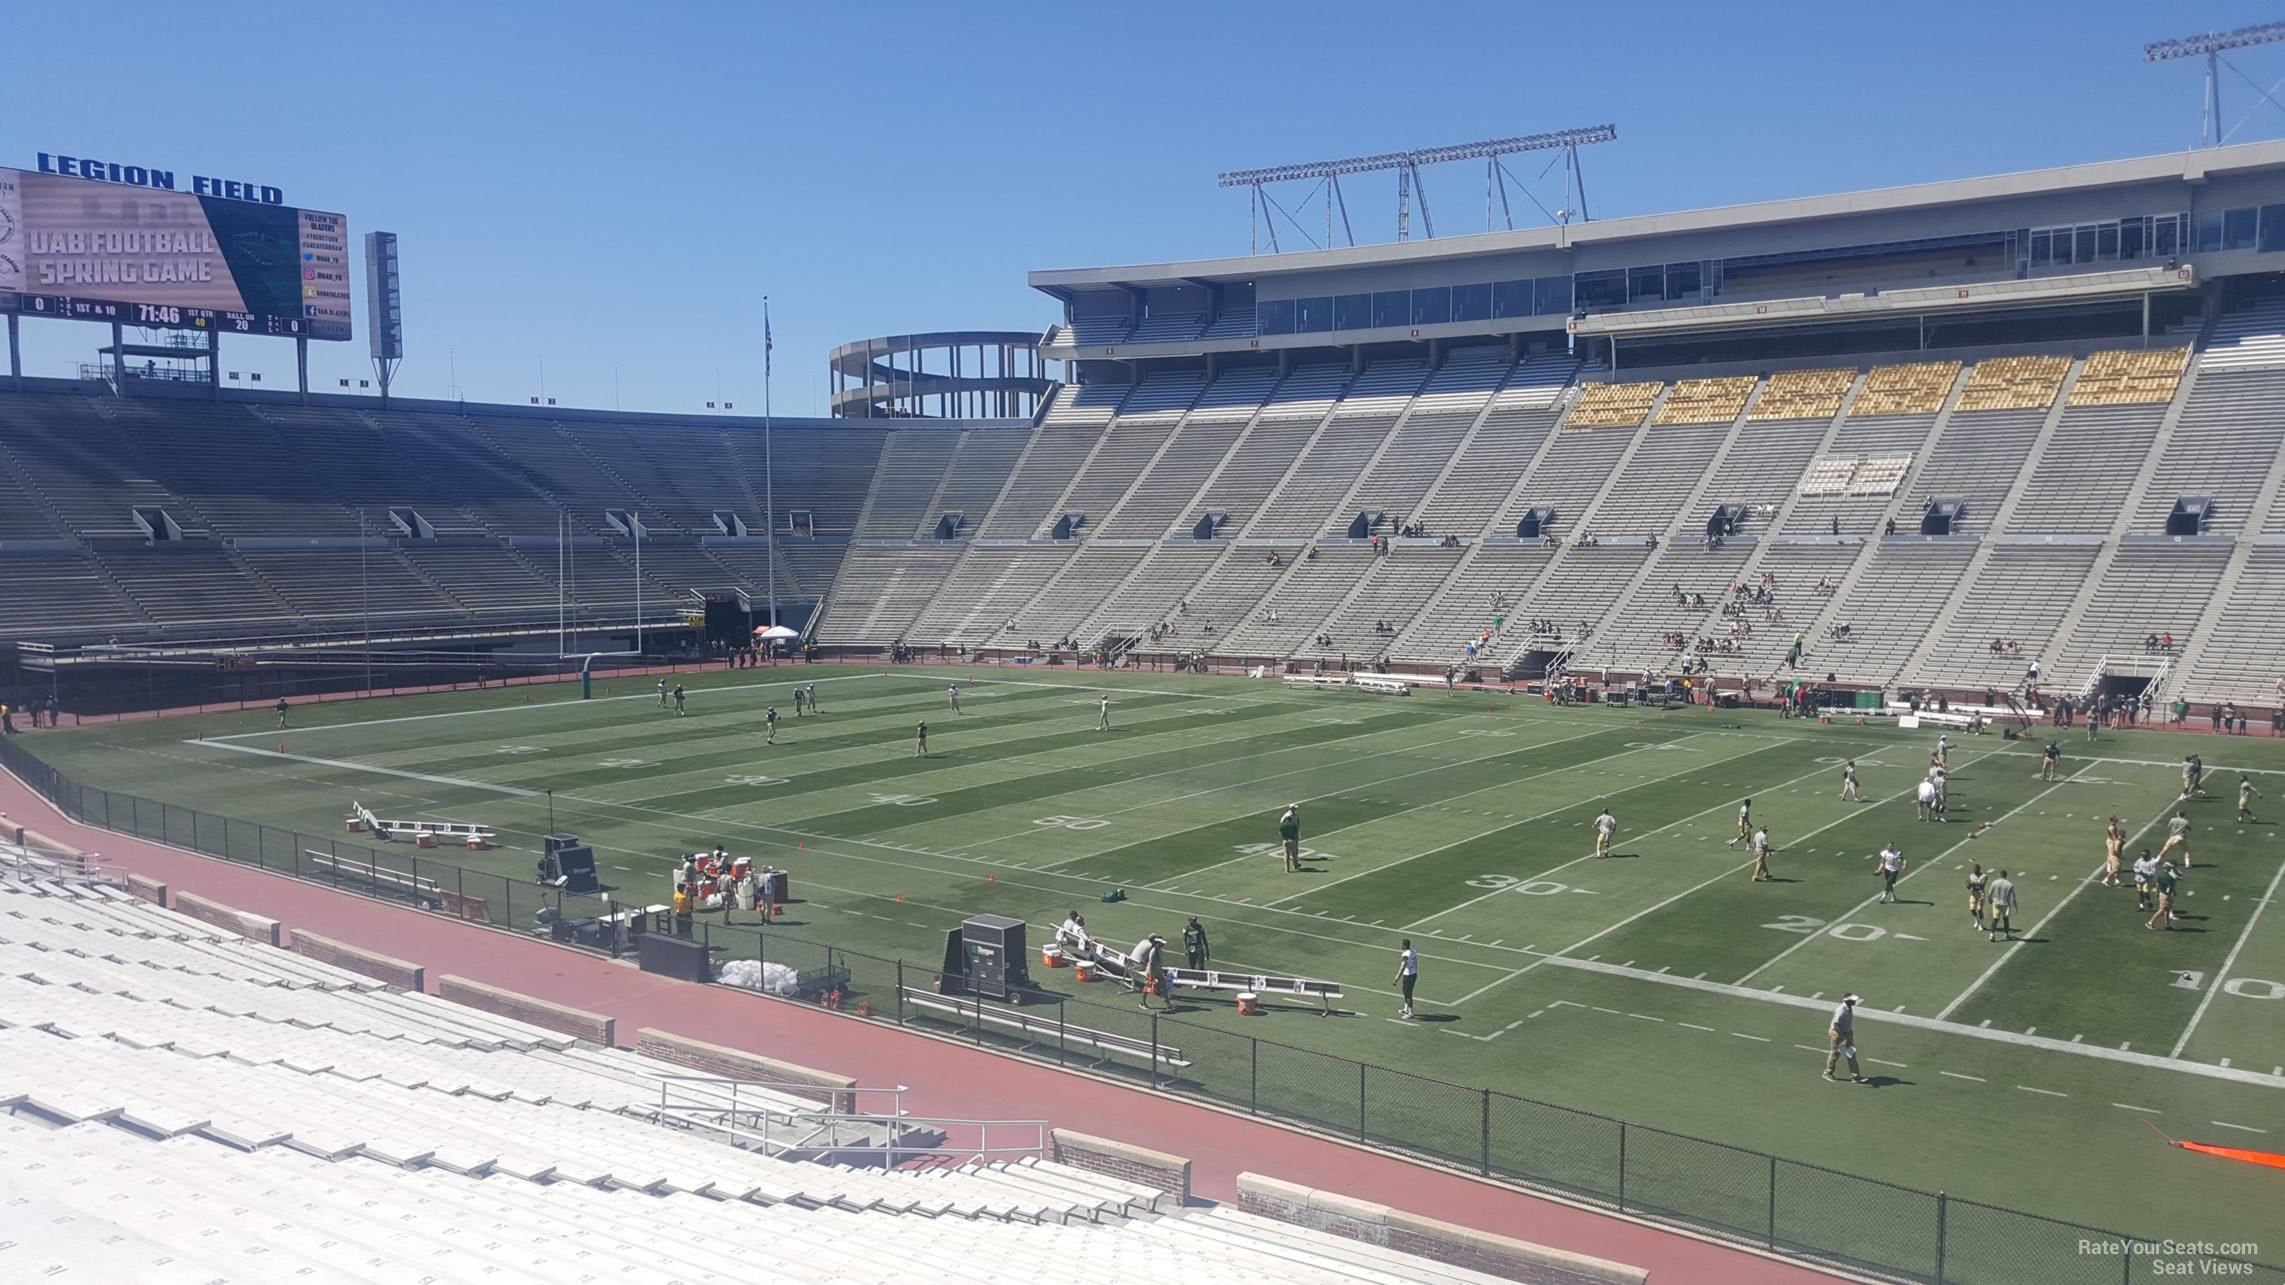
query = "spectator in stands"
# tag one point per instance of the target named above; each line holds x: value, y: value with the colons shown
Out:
x: 2166, y: 641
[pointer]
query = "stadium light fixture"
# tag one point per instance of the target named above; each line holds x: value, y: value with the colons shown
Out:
x: 1407, y: 165
x: 2210, y: 46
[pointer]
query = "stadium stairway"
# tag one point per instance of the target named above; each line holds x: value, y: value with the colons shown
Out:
x: 185, y: 1105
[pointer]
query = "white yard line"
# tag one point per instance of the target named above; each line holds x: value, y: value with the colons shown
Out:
x: 1631, y: 839
x: 2149, y: 1061
x: 368, y: 767
x: 1306, y: 798
x: 1557, y: 957
x: 1315, y: 889
x: 2221, y: 975
x: 646, y: 694
x: 2017, y: 944
x: 1918, y: 869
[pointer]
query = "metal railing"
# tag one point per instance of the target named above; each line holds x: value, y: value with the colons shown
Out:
x: 1733, y: 1193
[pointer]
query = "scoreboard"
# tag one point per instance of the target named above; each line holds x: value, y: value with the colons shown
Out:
x: 85, y: 250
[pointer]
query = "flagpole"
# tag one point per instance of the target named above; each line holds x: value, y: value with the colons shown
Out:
x: 769, y: 473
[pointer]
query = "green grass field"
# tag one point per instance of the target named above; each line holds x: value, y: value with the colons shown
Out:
x: 1660, y: 986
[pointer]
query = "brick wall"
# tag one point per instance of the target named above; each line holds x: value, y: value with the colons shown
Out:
x: 737, y: 1064
x: 216, y: 915
x: 365, y: 963
x: 576, y: 1023
x: 148, y: 889
x: 1376, y: 1224
x: 1170, y: 1174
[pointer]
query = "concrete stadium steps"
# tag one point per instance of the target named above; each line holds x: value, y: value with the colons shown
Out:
x: 1153, y: 594
x: 1570, y: 473
x: 285, y: 1216
x: 882, y: 589
x: 1575, y: 594
x: 202, y: 452
x: 816, y: 563
x: 194, y: 1107
x: 83, y: 467
x: 977, y: 475
x: 2080, y: 481
x: 1163, y: 492
x: 1647, y: 496
x: 676, y: 568
x: 2243, y: 657
x: 1320, y: 577
x: 52, y: 595
x: 823, y: 470
x: 1085, y: 582
x: 1251, y: 471
x: 1631, y: 640
x: 1896, y: 596
x: 686, y: 474
x: 568, y: 476
x: 339, y: 584
x: 24, y: 516
x: 2020, y: 595
x: 375, y: 470
x: 1392, y: 591
x: 500, y: 496
x: 2249, y: 338
x: 485, y: 578
x: 750, y: 562
x: 1227, y: 597
x: 984, y: 592
x: 1490, y: 582
x: 1486, y: 471
x: 1860, y: 438
x: 2232, y: 425
x: 1128, y: 448
x: 1762, y: 468
x: 2152, y: 587
x: 1056, y: 453
x: 1975, y: 460
x: 196, y: 585
x: 914, y: 462
x: 1161, y: 495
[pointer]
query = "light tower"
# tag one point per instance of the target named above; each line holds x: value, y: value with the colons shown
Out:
x: 1408, y: 182
x: 2210, y: 47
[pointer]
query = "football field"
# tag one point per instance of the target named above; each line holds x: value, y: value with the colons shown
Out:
x: 1659, y: 985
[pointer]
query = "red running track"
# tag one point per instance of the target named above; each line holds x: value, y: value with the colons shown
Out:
x: 949, y: 1080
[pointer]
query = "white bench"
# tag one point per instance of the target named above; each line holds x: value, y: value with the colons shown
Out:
x: 1026, y: 1023
x: 427, y: 890
x: 1383, y: 684
x: 1121, y: 965
x: 424, y: 833
x: 1317, y: 680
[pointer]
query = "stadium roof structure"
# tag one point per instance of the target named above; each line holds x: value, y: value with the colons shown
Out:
x: 2191, y: 167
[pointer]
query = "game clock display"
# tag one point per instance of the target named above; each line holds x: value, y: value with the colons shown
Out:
x: 78, y: 250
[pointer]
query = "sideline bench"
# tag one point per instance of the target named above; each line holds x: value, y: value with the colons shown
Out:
x: 424, y: 833
x: 1121, y: 965
x: 374, y: 873
x: 1384, y: 684
x: 1317, y: 680
x: 1105, y: 1041
x: 428, y: 892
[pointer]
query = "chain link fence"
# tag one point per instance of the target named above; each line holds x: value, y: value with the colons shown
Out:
x: 1732, y: 1193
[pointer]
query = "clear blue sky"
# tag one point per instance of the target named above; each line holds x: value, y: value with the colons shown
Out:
x: 583, y: 184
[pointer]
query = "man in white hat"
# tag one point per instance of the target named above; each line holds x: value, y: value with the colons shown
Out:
x: 1841, y: 1039
x: 1289, y: 833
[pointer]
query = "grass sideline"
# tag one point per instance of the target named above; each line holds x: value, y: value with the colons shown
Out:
x: 1660, y: 985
